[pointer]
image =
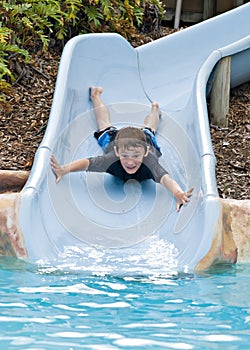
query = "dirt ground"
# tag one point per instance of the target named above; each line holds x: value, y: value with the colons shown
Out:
x: 25, y: 115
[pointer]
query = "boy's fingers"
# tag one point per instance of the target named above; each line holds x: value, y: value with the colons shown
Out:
x: 58, y: 179
x: 53, y: 161
x: 185, y: 199
x: 54, y: 166
x: 189, y: 192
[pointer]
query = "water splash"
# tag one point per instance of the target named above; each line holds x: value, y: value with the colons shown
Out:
x: 156, y: 257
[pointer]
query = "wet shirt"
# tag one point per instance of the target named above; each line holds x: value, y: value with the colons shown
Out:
x: 110, y: 163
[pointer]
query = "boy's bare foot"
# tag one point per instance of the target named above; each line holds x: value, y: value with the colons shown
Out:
x: 95, y: 91
x: 155, y: 106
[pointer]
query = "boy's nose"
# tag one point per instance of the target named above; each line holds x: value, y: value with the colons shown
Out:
x: 130, y: 161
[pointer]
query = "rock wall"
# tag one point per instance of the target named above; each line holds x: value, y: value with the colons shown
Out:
x: 11, y: 237
x: 231, y: 240
x: 12, y: 180
x: 240, y: 226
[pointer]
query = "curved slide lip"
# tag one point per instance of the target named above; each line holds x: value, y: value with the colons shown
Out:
x: 128, y: 69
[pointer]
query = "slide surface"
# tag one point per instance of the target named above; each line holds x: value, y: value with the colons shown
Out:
x: 95, y: 223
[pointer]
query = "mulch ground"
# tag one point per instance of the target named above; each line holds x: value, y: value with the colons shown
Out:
x: 25, y: 115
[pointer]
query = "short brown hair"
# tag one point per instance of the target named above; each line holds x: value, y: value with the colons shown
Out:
x: 130, y: 137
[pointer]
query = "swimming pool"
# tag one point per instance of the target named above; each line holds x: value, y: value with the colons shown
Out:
x: 46, y: 308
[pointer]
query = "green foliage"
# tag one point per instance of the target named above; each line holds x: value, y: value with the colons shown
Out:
x: 70, y: 19
x: 5, y: 50
x: 31, y: 20
x: 32, y: 24
x: 123, y: 17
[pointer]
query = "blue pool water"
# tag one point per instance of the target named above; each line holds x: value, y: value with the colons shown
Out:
x: 45, y: 308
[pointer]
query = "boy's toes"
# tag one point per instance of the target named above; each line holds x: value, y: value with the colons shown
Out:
x: 155, y: 105
x: 95, y: 91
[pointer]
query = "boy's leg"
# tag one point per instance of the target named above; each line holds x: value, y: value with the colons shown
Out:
x: 152, y: 120
x: 101, y: 111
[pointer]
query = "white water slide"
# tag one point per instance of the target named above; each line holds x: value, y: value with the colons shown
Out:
x: 95, y: 220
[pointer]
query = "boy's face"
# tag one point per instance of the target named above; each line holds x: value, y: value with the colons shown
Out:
x: 131, y: 158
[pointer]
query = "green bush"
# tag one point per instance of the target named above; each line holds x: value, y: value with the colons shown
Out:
x: 28, y: 25
x: 90, y: 16
x: 6, y: 49
x: 30, y: 20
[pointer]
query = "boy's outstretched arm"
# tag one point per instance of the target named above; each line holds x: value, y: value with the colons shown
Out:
x: 182, y: 197
x: 61, y: 170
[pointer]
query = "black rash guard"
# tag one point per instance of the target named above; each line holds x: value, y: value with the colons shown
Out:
x: 110, y: 163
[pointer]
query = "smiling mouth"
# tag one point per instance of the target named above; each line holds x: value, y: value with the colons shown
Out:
x: 131, y: 169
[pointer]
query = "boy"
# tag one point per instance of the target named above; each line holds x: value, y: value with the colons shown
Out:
x: 129, y: 153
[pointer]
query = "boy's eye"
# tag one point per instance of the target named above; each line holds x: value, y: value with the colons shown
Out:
x: 130, y: 157
x: 136, y: 155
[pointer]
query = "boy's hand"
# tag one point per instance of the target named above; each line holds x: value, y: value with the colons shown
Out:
x: 56, y: 168
x: 183, y: 198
